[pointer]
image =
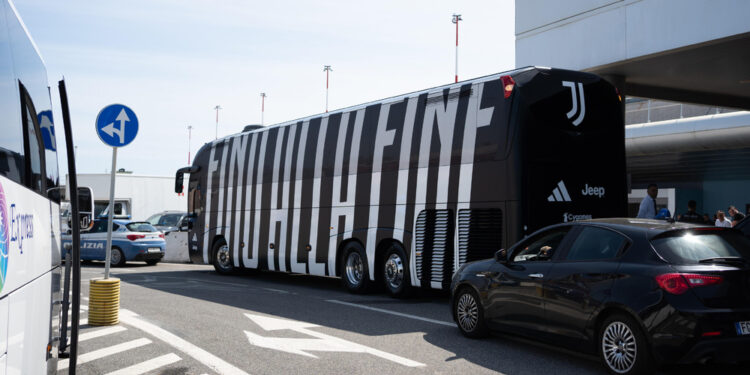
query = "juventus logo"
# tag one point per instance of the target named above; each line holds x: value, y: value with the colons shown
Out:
x: 559, y: 194
x: 576, y: 99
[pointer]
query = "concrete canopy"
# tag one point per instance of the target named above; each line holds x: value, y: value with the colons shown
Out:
x: 692, y: 51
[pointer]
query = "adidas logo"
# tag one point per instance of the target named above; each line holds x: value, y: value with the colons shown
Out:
x: 559, y: 194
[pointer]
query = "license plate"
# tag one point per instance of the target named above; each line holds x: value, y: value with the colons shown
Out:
x: 154, y: 250
x: 743, y: 328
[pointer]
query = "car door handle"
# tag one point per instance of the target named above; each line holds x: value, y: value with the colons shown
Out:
x: 536, y: 276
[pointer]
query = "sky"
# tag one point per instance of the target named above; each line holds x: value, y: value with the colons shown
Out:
x: 173, y: 61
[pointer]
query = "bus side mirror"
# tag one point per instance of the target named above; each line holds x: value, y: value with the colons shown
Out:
x: 178, y: 186
x: 85, y: 208
x: 502, y: 256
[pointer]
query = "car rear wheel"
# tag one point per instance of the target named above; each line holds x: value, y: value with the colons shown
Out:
x: 469, y: 313
x: 222, y: 260
x: 117, y: 258
x: 623, y: 348
x: 396, y: 272
x: 355, y: 275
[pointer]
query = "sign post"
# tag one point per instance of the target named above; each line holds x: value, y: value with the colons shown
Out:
x: 116, y: 126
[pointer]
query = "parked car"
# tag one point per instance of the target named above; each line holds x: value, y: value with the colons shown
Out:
x: 131, y: 241
x: 637, y: 293
x: 167, y: 221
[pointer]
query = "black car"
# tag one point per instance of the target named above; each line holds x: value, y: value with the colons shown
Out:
x: 637, y: 293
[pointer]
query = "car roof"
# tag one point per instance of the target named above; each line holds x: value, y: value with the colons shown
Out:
x: 651, y: 227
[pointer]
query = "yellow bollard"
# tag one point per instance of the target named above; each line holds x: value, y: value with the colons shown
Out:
x: 104, y: 302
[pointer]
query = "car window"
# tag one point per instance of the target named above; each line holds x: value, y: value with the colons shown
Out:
x: 100, y: 226
x: 170, y: 220
x: 691, y: 247
x: 596, y: 243
x: 540, y: 247
x: 141, y: 226
x: 154, y: 220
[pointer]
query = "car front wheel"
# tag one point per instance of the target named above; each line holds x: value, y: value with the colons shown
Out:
x: 469, y: 313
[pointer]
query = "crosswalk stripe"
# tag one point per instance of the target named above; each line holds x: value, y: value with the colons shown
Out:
x: 150, y: 365
x: 104, y: 352
x: 100, y: 333
x: 81, y: 322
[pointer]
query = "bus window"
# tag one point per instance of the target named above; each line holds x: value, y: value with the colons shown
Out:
x: 32, y: 144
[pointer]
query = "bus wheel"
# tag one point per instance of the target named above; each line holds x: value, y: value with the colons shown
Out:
x: 396, y: 272
x: 355, y: 275
x: 117, y: 258
x: 221, y: 260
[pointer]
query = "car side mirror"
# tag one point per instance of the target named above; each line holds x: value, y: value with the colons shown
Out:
x: 501, y: 256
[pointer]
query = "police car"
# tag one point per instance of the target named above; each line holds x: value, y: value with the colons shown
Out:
x: 131, y: 240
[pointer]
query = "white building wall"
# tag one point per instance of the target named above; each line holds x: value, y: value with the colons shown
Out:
x: 583, y: 34
x: 147, y: 194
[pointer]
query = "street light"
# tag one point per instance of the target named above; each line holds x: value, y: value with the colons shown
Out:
x: 456, y: 18
x: 262, y: 106
x: 327, y: 68
x: 190, y: 133
x: 217, y: 108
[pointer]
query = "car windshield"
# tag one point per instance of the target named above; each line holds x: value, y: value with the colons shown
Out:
x: 702, y: 246
x: 141, y: 226
x: 167, y: 220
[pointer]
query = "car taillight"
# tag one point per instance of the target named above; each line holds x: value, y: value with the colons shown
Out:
x: 678, y: 283
x: 161, y: 235
x: 508, y: 84
x: 134, y: 237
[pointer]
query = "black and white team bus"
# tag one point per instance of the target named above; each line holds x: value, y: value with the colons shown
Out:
x: 402, y: 191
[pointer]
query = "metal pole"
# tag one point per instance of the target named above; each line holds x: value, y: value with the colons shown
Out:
x: 327, y: 68
x: 262, y: 107
x: 456, y: 18
x: 111, y: 213
x: 217, y: 108
x: 190, y: 132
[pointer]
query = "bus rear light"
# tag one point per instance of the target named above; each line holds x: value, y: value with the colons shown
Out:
x: 134, y: 237
x: 711, y: 334
x: 508, y: 85
x: 679, y: 283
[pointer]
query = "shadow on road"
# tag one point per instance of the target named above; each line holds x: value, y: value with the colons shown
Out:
x: 305, y: 298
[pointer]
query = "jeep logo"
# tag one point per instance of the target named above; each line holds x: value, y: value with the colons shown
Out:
x: 591, y: 190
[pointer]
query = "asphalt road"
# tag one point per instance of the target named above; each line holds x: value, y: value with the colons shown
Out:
x: 186, y: 319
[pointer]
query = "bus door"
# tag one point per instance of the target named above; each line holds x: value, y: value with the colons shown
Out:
x: 573, y: 148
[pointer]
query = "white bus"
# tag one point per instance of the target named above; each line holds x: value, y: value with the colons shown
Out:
x: 402, y: 191
x: 30, y: 253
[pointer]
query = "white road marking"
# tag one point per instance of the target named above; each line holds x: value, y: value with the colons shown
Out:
x: 434, y: 321
x: 100, y: 333
x: 150, y: 365
x: 215, y: 363
x: 81, y: 322
x: 104, y: 352
x: 84, y: 307
x: 321, y: 342
x: 276, y: 290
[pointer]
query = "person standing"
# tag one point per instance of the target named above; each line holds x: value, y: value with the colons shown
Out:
x: 691, y: 216
x: 722, y: 221
x: 647, y: 210
x: 736, y: 215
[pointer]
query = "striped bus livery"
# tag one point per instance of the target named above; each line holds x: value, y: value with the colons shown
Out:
x: 405, y: 190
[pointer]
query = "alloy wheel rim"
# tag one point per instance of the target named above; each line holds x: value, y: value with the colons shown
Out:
x: 115, y: 257
x: 619, y: 347
x: 354, y: 268
x: 222, y: 256
x: 394, y: 271
x: 467, y: 312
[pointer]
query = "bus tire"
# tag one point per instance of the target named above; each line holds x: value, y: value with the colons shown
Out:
x: 117, y: 258
x: 221, y: 258
x: 395, y: 268
x: 354, y: 270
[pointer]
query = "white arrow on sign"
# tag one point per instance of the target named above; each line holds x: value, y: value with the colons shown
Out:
x: 111, y: 130
x: 321, y: 342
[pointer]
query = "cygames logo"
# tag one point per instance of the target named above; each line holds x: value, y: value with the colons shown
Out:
x: 4, y: 238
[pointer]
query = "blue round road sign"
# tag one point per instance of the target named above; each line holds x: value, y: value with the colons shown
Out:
x: 116, y: 125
